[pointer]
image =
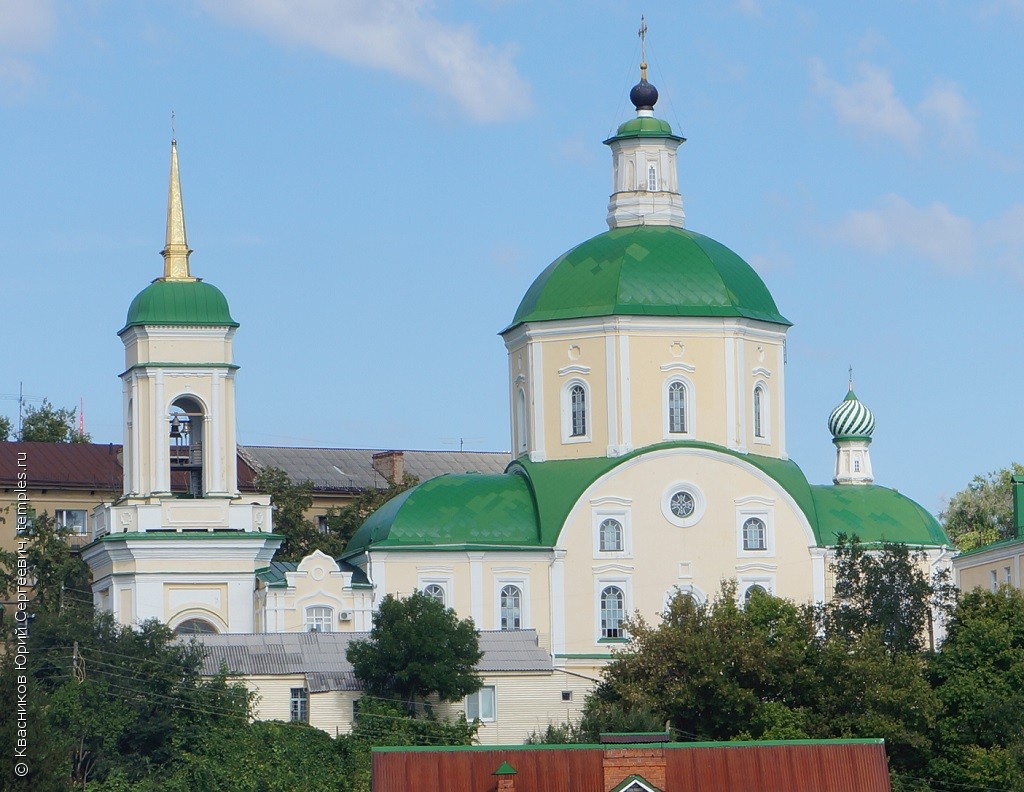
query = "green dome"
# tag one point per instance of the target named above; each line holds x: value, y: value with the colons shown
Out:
x: 648, y: 271
x: 179, y: 302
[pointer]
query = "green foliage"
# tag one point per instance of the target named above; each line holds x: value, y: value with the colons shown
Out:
x: 50, y: 562
x: 49, y: 424
x: 5, y: 428
x: 265, y: 756
x: 292, y: 501
x: 979, y: 679
x: 417, y: 647
x: 712, y: 668
x: 768, y: 670
x: 982, y: 513
x: 884, y: 589
x: 345, y: 521
x: 380, y: 722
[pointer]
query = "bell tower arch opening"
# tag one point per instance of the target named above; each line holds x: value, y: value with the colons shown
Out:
x: 186, y: 419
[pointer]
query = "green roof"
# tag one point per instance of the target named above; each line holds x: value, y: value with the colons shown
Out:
x: 874, y: 514
x: 528, y: 505
x: 275, y: 574
x: 454, y: 511
x: 648, y: 271
x: 179, y: 302
x: 644, y: 126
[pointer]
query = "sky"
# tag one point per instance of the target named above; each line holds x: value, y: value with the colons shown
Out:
x: 374, y: 184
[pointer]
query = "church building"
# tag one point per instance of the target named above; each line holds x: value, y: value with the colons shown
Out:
x: 647, y: 393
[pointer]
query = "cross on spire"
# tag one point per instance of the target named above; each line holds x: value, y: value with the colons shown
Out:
x: 642, y: 33
x: 851, y: 377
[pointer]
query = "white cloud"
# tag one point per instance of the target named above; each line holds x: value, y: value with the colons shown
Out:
x: 398, y: 36
x: 954, y: 243
x: 954, y: 116
x: 871, y: 107
x: 17, y: 78
x: 749, y: 7
x: 25, y: 27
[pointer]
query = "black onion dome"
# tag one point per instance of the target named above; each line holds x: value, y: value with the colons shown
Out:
x: 643, y: 95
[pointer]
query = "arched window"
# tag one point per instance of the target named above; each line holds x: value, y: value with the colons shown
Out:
x: 677, y: 408
x: 436, y: 591
x: 760, y: 412
x: 195, y: 627
x: 511, y: 608
x: 578, y: 411
x: 652, y: 177
x: 186, y: 441
x: 755, y: 534
x: 755, y: 590
x: 520, y: 421
x: 611, y: 536
x: 613, y: 611
x: 319, y: 619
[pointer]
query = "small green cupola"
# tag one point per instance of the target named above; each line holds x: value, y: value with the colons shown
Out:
x: 645, y: 183
x: 178, y: 298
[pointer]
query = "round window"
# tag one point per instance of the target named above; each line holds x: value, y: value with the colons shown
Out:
x: 683, y: 504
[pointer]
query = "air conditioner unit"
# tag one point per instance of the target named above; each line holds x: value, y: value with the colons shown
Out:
x: 344, y: 616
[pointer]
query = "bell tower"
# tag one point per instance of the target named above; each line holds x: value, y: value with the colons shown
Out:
x: 181, y: 544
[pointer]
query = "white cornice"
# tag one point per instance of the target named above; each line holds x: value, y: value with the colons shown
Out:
x: 690, y: 325
x: 678, y: 365
x: 575, y: 368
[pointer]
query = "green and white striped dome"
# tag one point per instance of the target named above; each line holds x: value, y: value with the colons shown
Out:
x: 851, y: 420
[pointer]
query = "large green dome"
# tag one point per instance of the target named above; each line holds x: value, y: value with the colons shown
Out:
x: 648, y: 271
x: 180, y: 302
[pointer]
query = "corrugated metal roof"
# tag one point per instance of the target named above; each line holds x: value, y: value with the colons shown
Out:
x: 796, y: 766
x: 88, y: 466
x: 97, y: 466
x: 352, y: 468
x: 321, y: 656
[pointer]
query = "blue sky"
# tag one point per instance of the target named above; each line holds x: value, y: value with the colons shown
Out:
x: 374, y: 185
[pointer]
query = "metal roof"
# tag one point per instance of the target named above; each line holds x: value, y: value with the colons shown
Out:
x: 321, y: 656
x: 783, y: 766
x: 89, y: 466
x: 97, y: 466
x: 648, y: 271
x: 349, y: 469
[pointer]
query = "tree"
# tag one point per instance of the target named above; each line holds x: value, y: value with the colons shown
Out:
x: 884, y: 589
x: 710, y: 668
x: 345, y: 521
x: 291, y: 502
x: 5, y: 428
x: 417, y: 647
x: 766, y: 670
x: 49, y: 424
x: 979, y: 679
x: 51, y: 563
x: 982, y: 513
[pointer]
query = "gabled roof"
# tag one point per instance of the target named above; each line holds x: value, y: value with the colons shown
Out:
x: 351, y: 469
x: 321, y: 656
x: 275, y: 574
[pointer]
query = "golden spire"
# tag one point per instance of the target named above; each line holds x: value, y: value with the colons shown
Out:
x: 175, y: 250
x: 642, y: 33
